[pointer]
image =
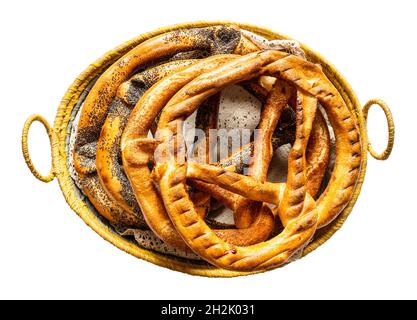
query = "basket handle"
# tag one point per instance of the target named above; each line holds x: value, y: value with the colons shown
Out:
x: 391, y: 129
x: 25, y: 148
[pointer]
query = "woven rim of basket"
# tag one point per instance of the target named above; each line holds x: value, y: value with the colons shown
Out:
x: 59, y: 154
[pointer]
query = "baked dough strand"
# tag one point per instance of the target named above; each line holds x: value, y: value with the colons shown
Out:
x: 299, y: 229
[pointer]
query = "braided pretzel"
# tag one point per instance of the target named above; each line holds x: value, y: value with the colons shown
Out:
x: 216, y: 39
x: 299, y: 229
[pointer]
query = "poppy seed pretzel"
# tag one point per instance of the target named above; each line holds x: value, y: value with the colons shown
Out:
x: 299, y: 229
x: 109, y: 168
x: 214, y: 40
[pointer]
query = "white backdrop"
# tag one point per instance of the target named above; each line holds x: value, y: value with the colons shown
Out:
x: 46, y: 251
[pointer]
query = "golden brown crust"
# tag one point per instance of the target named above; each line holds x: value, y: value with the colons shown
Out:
x: 245, y: 186
x: 226, y: 197
x: 214, y: 40
x: 318, y: 154
x: 299, y: 228
x: 347, y: 162
x: 206, y: 119
x: 109, y: 168
x: 174, y: 215
x: 137, y: 149
x: 318, y: 151
x: 246, y: 209
x: 294, y: 195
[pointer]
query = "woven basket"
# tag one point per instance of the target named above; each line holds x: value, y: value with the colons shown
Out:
x: 58, y: 135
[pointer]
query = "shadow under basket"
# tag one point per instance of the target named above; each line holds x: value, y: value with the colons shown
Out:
x: 59, y: 138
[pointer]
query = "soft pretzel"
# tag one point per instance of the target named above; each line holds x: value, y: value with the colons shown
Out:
x: 347, y: 161
x: 171, y: 177
x: 299, y: 229
x: 137, y: 152
x: 214, y: 40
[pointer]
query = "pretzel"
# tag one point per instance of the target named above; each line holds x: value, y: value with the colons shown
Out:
x: 347, y: 160
x: 135, y: 140
x: 137, y: 151
x: 215, y: 40
x: 317, y: 158
x: 300, y: 228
